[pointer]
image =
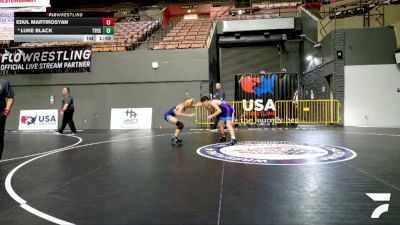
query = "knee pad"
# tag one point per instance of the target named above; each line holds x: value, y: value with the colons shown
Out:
x: 179, y: 125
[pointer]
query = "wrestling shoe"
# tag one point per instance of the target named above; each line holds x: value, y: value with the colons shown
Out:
x: 175, y: 142
x: 233, y: 142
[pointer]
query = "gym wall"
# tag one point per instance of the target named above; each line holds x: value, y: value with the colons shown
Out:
x: 359, y: 47
x: 372, y: 95
x: 118, y: 80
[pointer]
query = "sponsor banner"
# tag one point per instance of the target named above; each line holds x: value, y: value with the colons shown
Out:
x: 7, y: 20
x: 46, y: 60
x: 24, y: 3
x: 38, y: 119
x: 131, y: 118
x: 258, y: 92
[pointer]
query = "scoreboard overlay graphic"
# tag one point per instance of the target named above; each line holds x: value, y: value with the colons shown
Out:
x: 58, y: 27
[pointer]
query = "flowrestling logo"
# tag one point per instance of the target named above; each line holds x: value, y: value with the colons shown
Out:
x: 380, y: 197
x: 276, y: 153
x: 46, y: 60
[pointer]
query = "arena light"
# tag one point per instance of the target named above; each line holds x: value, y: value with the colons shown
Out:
x: 309, y: 58
x: 190, y: 17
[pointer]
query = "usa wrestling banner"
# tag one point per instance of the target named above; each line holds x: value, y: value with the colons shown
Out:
x: 38, y: 119
x: 258, y: 92
x: 275, y: 86
x: 46, y: 60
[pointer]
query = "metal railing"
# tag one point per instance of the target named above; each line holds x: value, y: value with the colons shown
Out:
x: 368, y: 9
x: 240, y: 116
x: 307, y: 112
x: 286, y: 112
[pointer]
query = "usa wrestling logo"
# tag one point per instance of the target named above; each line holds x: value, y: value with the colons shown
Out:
x: 276, y: 153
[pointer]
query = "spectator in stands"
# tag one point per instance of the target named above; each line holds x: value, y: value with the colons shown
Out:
x: 6, y: 103
x: 67, y: 111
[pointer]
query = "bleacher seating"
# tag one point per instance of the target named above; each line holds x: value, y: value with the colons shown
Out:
x: 4, y: 43
x: 127, y: 36
x: 187, y: 34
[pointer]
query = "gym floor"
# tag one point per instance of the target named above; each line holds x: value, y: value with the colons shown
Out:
x: 137, y: 177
